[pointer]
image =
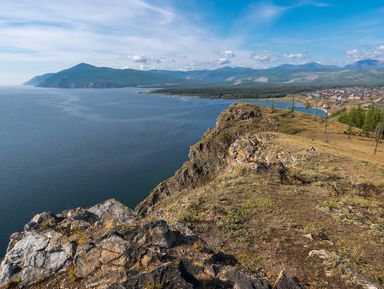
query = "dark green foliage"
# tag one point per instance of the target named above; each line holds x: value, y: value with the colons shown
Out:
x: 367, y: 120
x: 241, y: 91
x: 372, y: 118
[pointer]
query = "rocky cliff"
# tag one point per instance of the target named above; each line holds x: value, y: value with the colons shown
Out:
x: 209, y: 156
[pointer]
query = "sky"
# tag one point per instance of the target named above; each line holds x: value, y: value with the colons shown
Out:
x: 40, y: 36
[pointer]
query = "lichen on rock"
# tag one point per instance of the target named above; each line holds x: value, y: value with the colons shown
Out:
x: 110, y: 246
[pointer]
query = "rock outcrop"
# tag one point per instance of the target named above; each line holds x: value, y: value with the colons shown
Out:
x: 208, y: 157
x: 110, y: 246
x: 264, y: 186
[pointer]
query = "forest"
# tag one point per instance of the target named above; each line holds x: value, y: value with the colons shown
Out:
x: 242, y: 91
x: 368, y: 120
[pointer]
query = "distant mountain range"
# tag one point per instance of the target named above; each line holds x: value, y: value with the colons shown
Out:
x: 363, y: 72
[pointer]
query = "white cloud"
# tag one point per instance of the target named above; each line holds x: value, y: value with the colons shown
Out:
x: 116, y: 33
x: 294, y: 55
x: 144, y: 59
x: 264, y: 12
x: 227, y: 54
x: 376, y: 53
x: 222, y: 61
x: 353, y: 53
x: 261, y: 57
x: 140, y: 58
x: 45, y: 35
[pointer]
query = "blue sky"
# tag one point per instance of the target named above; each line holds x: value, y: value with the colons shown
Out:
x: 38, y: 36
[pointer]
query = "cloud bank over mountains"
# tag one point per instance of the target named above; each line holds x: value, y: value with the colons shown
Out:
x: 376, y: 53
x: 44, y: 35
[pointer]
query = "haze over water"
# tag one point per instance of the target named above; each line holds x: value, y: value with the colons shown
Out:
x: 62, y: 149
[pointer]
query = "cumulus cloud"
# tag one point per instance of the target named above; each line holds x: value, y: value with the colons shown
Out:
x: 261, y: 57
x: 353, y: 53
x: 227, y: 54
x: 44, y: 35
x: 376, y: 53
x: 222, y: 61
x: 294, y: 55
x: 135, y: 34
x: 144, y: 59
x: 139, y: 58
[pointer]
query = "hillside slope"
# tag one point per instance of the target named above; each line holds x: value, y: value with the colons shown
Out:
x: 261, y: 186
x: 88, y: 76
x: 280, y: 201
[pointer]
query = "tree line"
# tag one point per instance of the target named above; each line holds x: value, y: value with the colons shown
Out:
x: 368, y: 120
x: 241, y: 91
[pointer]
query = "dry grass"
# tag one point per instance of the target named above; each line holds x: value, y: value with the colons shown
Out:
x: 263, y: 222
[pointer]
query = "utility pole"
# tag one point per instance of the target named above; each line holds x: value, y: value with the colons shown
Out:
x: 349, y: 132
x: 378, y: 136
x: 293, y: 105
x: 272, y: 106
x: 326, y: 129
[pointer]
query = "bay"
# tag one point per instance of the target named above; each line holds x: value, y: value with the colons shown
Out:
x: 66, y: 148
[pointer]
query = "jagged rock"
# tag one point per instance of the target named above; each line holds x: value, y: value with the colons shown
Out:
x: 365, y: 282
x: 284, y: 281
x: 238, y: 112
x: 109, y: 246
x: 243, y: 280
x: 322, y: 254
x: 258, y: 151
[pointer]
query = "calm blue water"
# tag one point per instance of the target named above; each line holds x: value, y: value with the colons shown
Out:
x: 61, y: 149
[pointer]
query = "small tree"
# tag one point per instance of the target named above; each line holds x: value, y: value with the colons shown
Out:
x: 317, y: 105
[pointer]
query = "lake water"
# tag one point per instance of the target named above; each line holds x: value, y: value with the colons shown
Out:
x: 61, y: 149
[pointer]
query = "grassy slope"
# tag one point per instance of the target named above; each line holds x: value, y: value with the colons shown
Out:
x: 264, y: 222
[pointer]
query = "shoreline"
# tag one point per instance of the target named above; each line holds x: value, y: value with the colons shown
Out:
x: 277, y: 100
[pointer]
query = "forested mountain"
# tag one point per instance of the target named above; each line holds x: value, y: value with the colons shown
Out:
x: 368, y: 72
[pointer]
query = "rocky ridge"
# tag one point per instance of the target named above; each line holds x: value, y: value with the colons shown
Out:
x: 110, y: 246
x: 209, y: 156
